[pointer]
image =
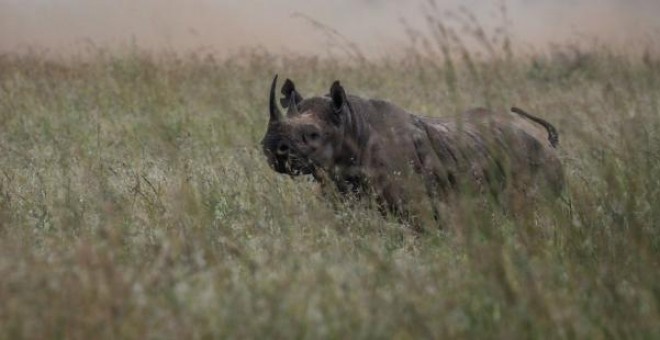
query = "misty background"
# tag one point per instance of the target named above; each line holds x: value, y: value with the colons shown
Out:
x: 222, y: 27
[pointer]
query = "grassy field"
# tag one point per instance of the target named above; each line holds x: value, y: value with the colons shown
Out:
x: 135, y: 203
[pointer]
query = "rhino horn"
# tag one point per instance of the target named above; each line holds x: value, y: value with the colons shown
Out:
x: 293, y: 106
x: 275, y: 113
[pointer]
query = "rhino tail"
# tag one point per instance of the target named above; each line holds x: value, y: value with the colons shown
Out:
x: 553, y: 136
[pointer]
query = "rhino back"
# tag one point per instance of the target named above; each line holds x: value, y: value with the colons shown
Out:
x: 490, y: 146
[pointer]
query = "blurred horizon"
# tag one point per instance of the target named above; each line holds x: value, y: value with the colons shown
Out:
x: 376, y: 27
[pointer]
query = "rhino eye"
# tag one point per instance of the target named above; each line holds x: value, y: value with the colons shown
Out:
x: 309, y: 135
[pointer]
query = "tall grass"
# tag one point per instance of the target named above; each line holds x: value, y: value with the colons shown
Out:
x: 135, y: 203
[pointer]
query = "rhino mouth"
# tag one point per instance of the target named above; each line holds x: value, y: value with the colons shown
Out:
x: 292, y: 166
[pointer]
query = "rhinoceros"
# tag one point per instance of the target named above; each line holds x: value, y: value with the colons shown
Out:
x: 373, y: 148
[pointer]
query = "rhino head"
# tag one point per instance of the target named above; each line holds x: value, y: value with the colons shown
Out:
x: 309, y: 136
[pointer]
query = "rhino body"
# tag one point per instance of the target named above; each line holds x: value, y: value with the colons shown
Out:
x: 409, y: 163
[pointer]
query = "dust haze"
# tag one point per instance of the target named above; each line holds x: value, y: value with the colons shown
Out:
x: 225, y: 26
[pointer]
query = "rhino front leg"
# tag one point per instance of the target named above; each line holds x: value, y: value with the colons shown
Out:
x: 405, y: 200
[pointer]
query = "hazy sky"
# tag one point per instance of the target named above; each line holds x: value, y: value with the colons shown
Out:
x: 221, y: 26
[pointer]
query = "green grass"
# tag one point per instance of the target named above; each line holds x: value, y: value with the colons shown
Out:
x: 135, y: 203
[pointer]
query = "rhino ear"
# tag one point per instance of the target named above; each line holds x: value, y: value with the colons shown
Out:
x: 290, y: 94
x: 338, y: 96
